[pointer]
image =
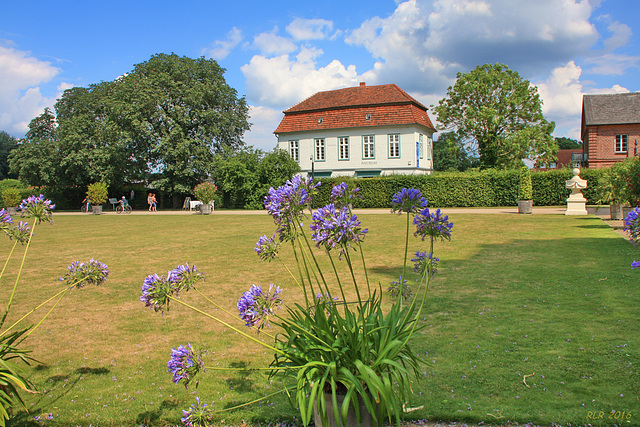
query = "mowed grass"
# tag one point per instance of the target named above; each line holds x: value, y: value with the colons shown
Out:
x: 547, y: 299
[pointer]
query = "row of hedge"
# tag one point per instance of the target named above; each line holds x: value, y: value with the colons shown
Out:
x: 462, y: 189
x: 469, y: 189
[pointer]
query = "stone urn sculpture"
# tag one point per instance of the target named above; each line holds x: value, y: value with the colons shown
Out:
x: 576, y: 203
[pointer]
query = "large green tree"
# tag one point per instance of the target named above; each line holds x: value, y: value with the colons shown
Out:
x: 37, y: 159
x: 7, y: 144
x: 493, y: 107
x: 450, y: 154
x: 161, y: 123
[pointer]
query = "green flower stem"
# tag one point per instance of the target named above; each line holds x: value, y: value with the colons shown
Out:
x: 215, y: 304
x: 218, y: 368
x: 289, y: 271
x: 222, y: 322
x: 353, y: 277
x: 254, y: 401
x: 45, y: 316
x: 15, y: 286
x: 404, y: 265
x: 335, y: 271
x: 8, y: 258
x: 315, y: 261
x: 364, y: 267
x: 32, y: 311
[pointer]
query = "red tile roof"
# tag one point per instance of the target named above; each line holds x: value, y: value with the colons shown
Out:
x: 387, y: 105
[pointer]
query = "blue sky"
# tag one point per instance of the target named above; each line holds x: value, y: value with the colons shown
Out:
x: 277, y: 53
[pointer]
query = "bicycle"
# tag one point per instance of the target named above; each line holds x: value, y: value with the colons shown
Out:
x: 86, y: 208
x: 123, y: 209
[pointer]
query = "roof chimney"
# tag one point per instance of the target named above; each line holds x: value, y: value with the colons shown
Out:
x: 362, y: 84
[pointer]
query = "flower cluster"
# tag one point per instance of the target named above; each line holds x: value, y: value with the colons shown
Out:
x: 198, y: 415
x: 434, y: 225
x: 421, y: 261
x: 158, y: 290
x: 80, y: 273
x: 341, y: 196
x: 184, y: 364
x: 400, y: 287
x: 19, y: 232
x: 333, y: 228
x: 37, y: 207
x: 408, y: 200
x: 267, y: 248
x: 632, y: 226
x: 255, y: 306
x: 287, y: 203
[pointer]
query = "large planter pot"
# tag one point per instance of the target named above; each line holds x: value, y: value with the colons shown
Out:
x: 616, y: 211
x: 97, y: 209
x: 12, y: 211
x: 352, y: 420
x: 525, y: 206
x: 205, y: 209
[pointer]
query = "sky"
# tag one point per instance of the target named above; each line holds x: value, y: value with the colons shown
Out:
x: 277, y: 53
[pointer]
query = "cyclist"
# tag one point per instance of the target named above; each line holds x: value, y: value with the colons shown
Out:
x: 124, y: 203
x: 86, y: 204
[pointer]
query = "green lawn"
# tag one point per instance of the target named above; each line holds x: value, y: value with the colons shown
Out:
x: 548, y: 297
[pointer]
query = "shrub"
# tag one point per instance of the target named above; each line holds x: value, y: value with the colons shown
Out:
x: 11, y: 197
x: 525, y: 189
x: 97, y: 193
x: 205, y: 191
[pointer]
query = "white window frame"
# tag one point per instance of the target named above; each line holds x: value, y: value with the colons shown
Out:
x: 343, y: 148
x: 622, y: 143
x: 394, y: 146
x: 294, y: 149
x: 320, y: 154
x: 368, y: 147
x: 421, y: 146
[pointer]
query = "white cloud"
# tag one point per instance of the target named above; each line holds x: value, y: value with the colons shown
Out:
x: 562, y: 95
x: 310, y: 29
x: 282, y: 81
x: 20, y: 96
x: 612, y: 64
x: 220, y: 49
x: 263, y: 121
x: 273, y: 44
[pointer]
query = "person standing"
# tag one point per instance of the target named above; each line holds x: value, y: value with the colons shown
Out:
x: 150, y: 200
x: 154, y: 202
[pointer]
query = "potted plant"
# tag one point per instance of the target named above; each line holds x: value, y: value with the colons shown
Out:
x: 11, y: 197
x: 205, y: 192
x: 525, y: 192
x: 343, y: 350
x: 613, y: 188
x: 97, y: 193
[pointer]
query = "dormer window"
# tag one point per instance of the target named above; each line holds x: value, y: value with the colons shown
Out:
x: 368, y: 116
x: 320, y: 121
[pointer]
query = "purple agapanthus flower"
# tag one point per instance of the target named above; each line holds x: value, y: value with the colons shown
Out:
x: 286, y: 204
x: 336, y: 228
x: 184, y: 364
x: 341, y: 196
x: 255, y: 306
x: 20, y: 232
x: 421, y: 261
x: 184, y: 277
x: 435, y: 225
x: 82, y: 273
x: 400, y: 287
x: 5, y: 218
x: 156, y: 291
x: 408, y: 200
x: 267, y: 248
x: 632, y: 225
x: 635, y: 264
x: 37, y: 207
x: 198, y: 415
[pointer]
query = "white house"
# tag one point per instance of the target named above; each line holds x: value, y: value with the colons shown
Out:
x: 361, y: 131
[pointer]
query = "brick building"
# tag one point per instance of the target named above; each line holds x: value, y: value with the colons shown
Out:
x: 610, y: 128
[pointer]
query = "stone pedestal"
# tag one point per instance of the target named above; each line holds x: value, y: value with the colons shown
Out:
x: 576, y: 203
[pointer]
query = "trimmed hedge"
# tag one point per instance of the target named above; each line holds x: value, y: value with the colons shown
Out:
x: 467, y: 189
